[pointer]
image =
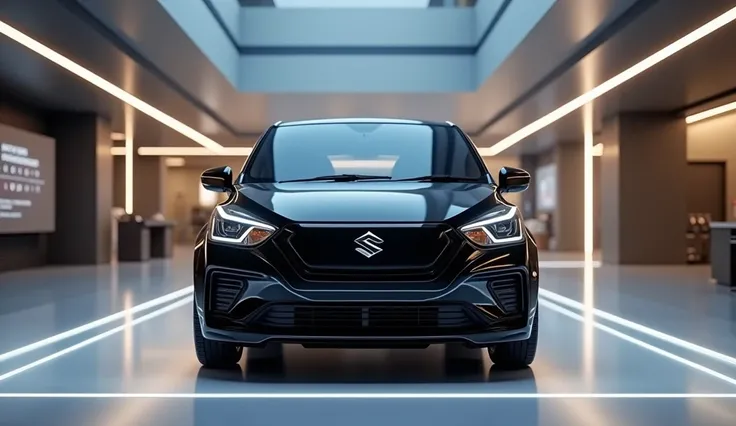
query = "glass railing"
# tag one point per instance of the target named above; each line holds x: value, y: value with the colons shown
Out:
x: 343, y: 4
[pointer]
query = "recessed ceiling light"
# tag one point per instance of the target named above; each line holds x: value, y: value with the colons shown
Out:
x: 614, y: 82
x: 175, y: 162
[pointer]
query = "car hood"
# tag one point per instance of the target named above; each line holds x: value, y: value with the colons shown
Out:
x: 364, y: 201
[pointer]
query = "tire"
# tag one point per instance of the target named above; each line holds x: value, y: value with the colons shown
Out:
x: 211, y: 353
x: 516, y: 355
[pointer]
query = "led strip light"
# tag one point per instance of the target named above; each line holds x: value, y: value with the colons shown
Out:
x: 195, y: 151
x: 588, y: 148
x: 128, y: 152
x: 375, y: 395
x: 184, y: 151
x: 367, y: 395
x: 147, y: 317
x: 96, y: 324
x: 108, y: 87
x: 612, y: 83
x: 710, y: 113
x: 570, y: 303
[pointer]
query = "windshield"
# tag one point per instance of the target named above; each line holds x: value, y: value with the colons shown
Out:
x: 388, y: 150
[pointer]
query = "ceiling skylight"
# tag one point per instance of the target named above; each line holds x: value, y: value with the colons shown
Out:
x: 354, y: 4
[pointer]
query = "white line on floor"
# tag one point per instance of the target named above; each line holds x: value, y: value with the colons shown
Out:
x: 566, y: 264
x: 387, y: 395
x: 559, y: 309
x: 97, y: 338
x: 95, y: 324
x: 562, y: 300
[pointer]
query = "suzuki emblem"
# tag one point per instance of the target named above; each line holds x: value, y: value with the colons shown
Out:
x: 368, y: 244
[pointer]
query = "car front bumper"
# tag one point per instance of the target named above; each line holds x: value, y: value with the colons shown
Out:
x: 256, y: 308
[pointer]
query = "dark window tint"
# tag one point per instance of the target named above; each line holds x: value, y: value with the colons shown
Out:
x: 387, y: 149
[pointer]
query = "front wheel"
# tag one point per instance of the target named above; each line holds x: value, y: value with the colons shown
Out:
x: 211, y: 353
x: 516, y: 355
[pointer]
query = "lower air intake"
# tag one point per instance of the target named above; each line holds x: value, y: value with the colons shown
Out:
x: 225, y: 289
x: 360, y: 319
x: 507, y: 290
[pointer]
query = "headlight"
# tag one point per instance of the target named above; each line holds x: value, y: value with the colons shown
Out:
x: 233, y: 226
x: 502, y: 225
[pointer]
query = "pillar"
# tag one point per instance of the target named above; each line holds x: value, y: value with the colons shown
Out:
x: 643, y: 205
x: 149, y: 177
x: 118, y: 181
x: 83, y: 189
x: 568, y: 217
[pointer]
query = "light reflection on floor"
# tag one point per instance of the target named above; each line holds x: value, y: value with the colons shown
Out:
x: 153, y: 365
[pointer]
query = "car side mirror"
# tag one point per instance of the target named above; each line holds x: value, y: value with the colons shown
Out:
x: 218, y: 179
x: 511, y: 179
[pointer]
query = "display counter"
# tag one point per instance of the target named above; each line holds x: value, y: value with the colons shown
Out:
x: 140, y: 240
x: 134, y: 242
x: 161, y: 233
x: 723, y: 253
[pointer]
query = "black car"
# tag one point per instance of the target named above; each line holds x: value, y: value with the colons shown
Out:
x: 367, y: 233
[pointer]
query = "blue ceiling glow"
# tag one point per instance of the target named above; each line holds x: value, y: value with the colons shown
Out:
x: 374, y: 4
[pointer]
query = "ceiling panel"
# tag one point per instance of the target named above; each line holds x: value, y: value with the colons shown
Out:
x: 698, y: 72
x: 695, y: 74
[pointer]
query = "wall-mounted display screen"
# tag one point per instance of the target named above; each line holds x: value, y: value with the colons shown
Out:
x: 27, y: 192
x: 545, y: 184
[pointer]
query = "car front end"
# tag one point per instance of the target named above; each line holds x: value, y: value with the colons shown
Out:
x: 334, y: 234
x: 385, y: 284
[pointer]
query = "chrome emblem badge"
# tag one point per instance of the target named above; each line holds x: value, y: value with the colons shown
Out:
x: 368, y: 244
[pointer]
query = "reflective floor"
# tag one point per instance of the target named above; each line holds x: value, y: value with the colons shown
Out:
x: 620, y: 365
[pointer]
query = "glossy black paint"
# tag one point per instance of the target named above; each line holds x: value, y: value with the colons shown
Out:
x: 310, y: 264
x: 367, y: 201
x: 511, y: 179
x: 218, y: 179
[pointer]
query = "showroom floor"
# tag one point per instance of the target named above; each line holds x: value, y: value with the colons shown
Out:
x: 621, y: 365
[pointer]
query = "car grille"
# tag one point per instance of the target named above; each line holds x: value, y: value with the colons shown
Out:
x: 401, y: 253
x: 367, y: 319
x: 225, y: 289
x: 507, y: 290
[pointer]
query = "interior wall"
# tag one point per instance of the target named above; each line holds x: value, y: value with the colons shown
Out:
x: 715, y: 140
x: 181, y: 192
x: 182, y: 195
x: 149, y: 185
x: 569, y: 212
x: 18, y: 251
x: 549, y: 157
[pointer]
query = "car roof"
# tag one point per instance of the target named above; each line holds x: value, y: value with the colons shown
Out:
x: 358, y: 121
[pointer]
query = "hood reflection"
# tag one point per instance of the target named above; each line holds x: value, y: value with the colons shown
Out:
x: 365, y: 201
